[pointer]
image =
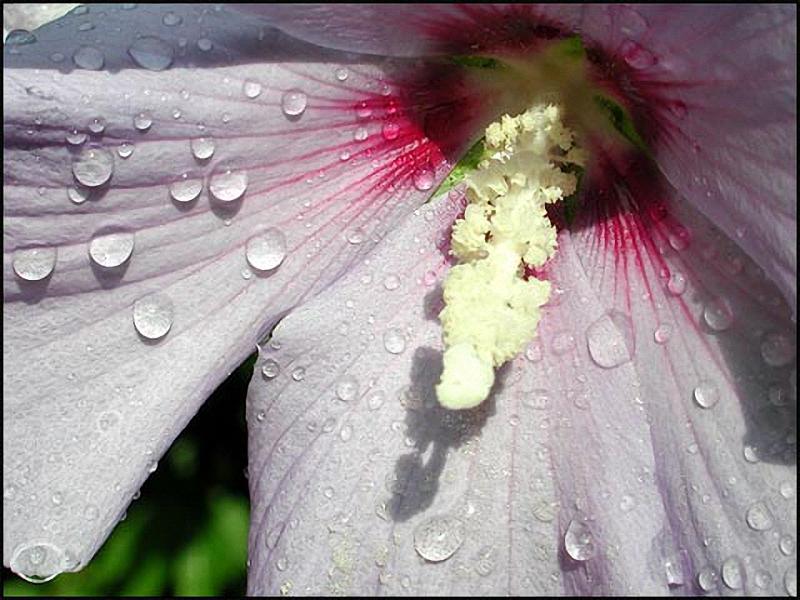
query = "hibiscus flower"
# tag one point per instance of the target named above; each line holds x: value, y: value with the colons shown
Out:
x: 182, y: 184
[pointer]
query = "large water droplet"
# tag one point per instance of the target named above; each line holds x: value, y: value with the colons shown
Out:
x: 185, y: 189
x: 270, y: 369
x: 34, y: 264
x: 202, y: 148
x: 394, y: 340
x: 152, y: 316
x: 578, y: 541
x: 228, y: 185
x: 19, y: 37
x: 88, y: 57
x: 266, y: 251
x: 733, y: 573
x: 37, y: 562
x: 78, y: 195
x: 787, y: 545
x: 759, y: 517
x: 93, y: 167
x: 152, y: 53
x: 438, y: 538
x: 424, y: 179
x: 347, y: 388
x: 110, y: 250
x: 251, y: 89
x: 718, y: 314
x: 707, y: 578
x: 777, y: 349
x: 706, y: 394
x: 293, y: 103
x: 607, y: 344
x: 142, y: 121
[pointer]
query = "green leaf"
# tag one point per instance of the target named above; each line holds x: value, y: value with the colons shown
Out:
x: 465, y: 166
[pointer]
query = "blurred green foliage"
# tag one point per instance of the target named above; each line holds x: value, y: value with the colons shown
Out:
x: 187, y: 533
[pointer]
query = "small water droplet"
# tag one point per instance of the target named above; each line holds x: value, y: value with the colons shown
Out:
x: 341, y: 74
x: 293, y: 103
x: 251, y: 88
x: 636, y: 56
x: 562, y: 343
x: 732, y: 573
x: 228, y: 185
x: 706, y: 394
x: 204, y: 44
x: 759, y: 517
x: 151, y: 53
x: 578, y: 541
x: 298, y: 374
x: 347, y: 388
x: 718, y: 314
x: 777, y: 349
x: 346, y: 433
x: 438, y: 538
x: 153, y: 315
x: 606, y: 343
x: 356, y: 236
x: 627, y: 503
x: 110, y: 250
x: 679, y: 238
x: 538, y: 399
x: 185, y: 189
x: 390, y: 130
x: 202, y: 147
x: 142, y: 121
x: 170, y: 19
x: 424, y: 179
x: 19, y: 37
x: 360, y: 134
x: 674, y: 573
x: 75, y: 137
x: 763, y: 579
x: 93, y: 167
x: 391, y: 282
x: 270, y: 369
x: 394, y: 340
x: 662, y: 333
x: 750, y: 453
x: 363, y: 110
x: 786, y: 489
x: 125, y: 149
x: 790, y: 580
x: 707, y: 578
x: 97, y: 125
x: 787, y: 545
x: 34, y: 264
x: 266, y: 250
x: 88, y: 57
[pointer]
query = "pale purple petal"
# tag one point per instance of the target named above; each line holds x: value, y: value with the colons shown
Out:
x: 90, y: 402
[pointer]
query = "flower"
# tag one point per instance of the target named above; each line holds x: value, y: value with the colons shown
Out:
x: 647, y: 445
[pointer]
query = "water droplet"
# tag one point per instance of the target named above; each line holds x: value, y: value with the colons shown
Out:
x: 93, y: 167
x: 347, y: 388
x: 57, y: 57
x: 19, y: 37
x: 185, y: 189
x: 390, y: 130
x: 75, y: 137
x: 706, y: 394
x: 152, y: 316
x: 260, y: 416
x: 732, y: 573
x: 777, y: 349
x: 110, y: 250
x: 356, y: 236
x: 544, y: 511
x: 534, y: 351
x: 266, y: 250
x: 293, y: 103
x: 662, y: 333
x: 391, y: 282
x: 763, y: 579
x: 606, y: 343
x: 298, y: 374
x: 424, y: 179
x: 251, y: 89
x: 360, y: 134
x: 202, y: 148
x: 636, y: 56
x: 37, y: 562
x: 282, y: 563
x: 346, y: 433
x: 562, y: 343
x: 627, y: 503
x: 142, y: 121
x: 341, y: 74
x: 204, y: 44
x: 88, y: 57
x: 34, y: 264
x: 750, y: 453
x: 790, y: 580
x: 578, y: 541
x: 787, y: 545
x: 125, y: 149
x: 778, y: 395
x: 394, y: 341
x: 679, y: 238
x: 228, y: 185
x: 151, y: 53
x: 345, y: 155
x: 438, y: 538
x: 270, y: 369
x: 363, y: 110
x: 538, y: 399
x: 718, y: 314
x: 672, y: 568
x: 375, y: 399
x: 707, y: 578
x: 759, y: 517
x: 786, y: 489
x: 170, y: 19
x: 97, y: 125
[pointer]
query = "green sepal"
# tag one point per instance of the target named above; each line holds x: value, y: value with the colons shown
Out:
x: 467, y: 164
x: 621, y: 120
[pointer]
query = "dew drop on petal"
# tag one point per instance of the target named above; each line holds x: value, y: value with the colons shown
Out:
x: 153, y: 315
x: 88, y: 57
x: 299, y: 373
x: 185, y: 189
x: 270, y: 369
x: 204, y: 44
x: 578, y: 541
x: 562, y: 343
x: 786, y: 545
x: 733, y: 573
x: 706, y: 394
x: 151, y: 53
x: 438, y: 538
x: 78, y: 195
x: 360, y: 134
x: 251, y: 88
x: 636, y: 56
x: 347, y: 388
x: 424, y: 179
x: 391, y: 282
x: 394, y: 340
x: 718, y: 314
x: 93, y: 167
x: 790, y: 580
x: 356, y: 236
x: 759, y: 517
x: 390, y: 130
x: 662, y: 333
x: 341, y: 74
x: 606, y: 343
x: 375, y: 399
x: 125, y: 149
x: 707, y: 578
x: 34, y: 264
x: 227, y: 184
x: 143, y: 121
x: 202, y: 147
x: 170, y: 19
x: 97, y: 125
x: 110, y: 250
x: 75, y: 137
x: 293, y: 103
x: 674, y: 572
x: 37, y: 562
x: 363, y: 110
x: 266, y: 250
x: 777, y: 349
x: 786, y: 489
